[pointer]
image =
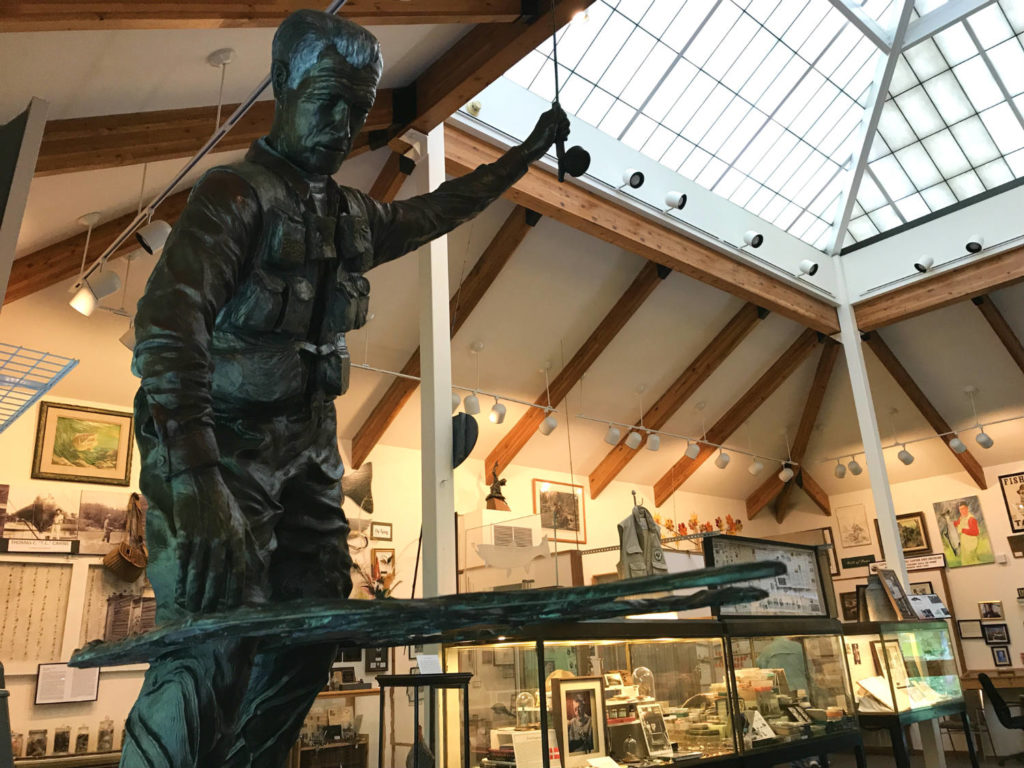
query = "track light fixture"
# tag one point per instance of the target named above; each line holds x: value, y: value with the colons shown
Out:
x: 127, y: 338
x: 756, y: 467
x: 957, y: 445
x: 692, y: 450
x: 94, y: 288
x: 153, y: 236
x: 613, y: 435
x: 924, y: 264
x: 675, y: 201
x: 808, y: 267
x: 722, y: 459
x: 905, y: 456
x: 632, y: 178
x: 840, y: 470
x: 633, y: 440
x: 471, y: 404
x: 498, y: 410
x: 456, y: 401
x: 787, y: 473
x: 653, y: 441
x: 854, y: 467
x: 549, y: 424
x: 753, y: 238
x: 984, y: 439
x: 975, y: 243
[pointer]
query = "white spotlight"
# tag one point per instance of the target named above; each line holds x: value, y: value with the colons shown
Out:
x: 957, y: 445
x: 923, y: 264
x: 153, y: 236
x: 653, y: 441
x: 692, y: 450
x: 632, y: 178
x: 975, y: 243
x: 456, y: 401
x: 498, y: 410
x: 94, y: 288
x: 905, y: 456
x: 613, y: 435
x: 675, y: 201
x: 471, y: 404
x: 756, y: 467
x: 722, y: 460
x: 633, y: 440
x: 854, y: 467
x: 840, y: 470
x: 984, y: 439
x: 808, y: 267
x: 753, y: 238
x: 787, y: 473
x: 548, y: 425
x: 128, y: 337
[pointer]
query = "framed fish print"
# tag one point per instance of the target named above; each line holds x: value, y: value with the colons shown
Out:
x: 83, y: 445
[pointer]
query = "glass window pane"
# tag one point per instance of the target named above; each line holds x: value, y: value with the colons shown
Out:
x: 682, y: 28
x: 885, y: 218
x: 676, y: 154
x: 743, y: 135
x: 869, y: 195
x: 706, y: 115
x: 995, y: 173
x: 780, y: 87
x: 775, y: 155
x: 595, y: 107
x: 804, y: 24
x: 611, y: 38
x: 966, y: 185
x: 524, y: 70
x: 1004, y: 128
x: 766, y: 73
x: 946, y: 154
x: 750, y: 59
x: 955, y: 44
x: 1008, y: 60
x: 639, y: 132
x: 713, y: 34
x: 650, y: 73
x: 975, y: 141
x: 745, y: 191
x: 949, y: 98
x: 726, y: 125
x: 1016, y: 163
x: 918, y: 166
x: 920, y: 112
x: 862, y: 228
x: 938, y: 197
x: 691, y: 100
x: 893, y: 126
x: 892, y: 177
x: 912, y: 207
x: 903, y: 77
x: 729, y: 51
x: 977, y: 82
x: 763, y: 143
x: 1014, y: 13
x: 659, y: 16
x: 576, y: 39
x: 926, y: 60
x: 729, y: 183
x: 712, y: 172
x: 617, y: 119
x: 625, y: 64
x: 659, y: 142
x: 990, y: 25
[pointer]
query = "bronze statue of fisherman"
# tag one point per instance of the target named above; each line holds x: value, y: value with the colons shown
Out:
x: 240, y: 345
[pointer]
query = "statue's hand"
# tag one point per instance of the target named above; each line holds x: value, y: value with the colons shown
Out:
x: 551, y: 126
x: 210, y: 542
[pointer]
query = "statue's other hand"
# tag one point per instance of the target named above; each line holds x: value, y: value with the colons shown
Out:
x: 551, y: 126
x: 210, y: 542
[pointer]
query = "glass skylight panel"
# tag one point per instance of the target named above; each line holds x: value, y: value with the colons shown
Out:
x: 966, y: 185
x: 920, y: 112
x: 978, y: 82
x: 925, y: 60
x: 885, y: 218
x: 894, y: 128
x: 945, y: 152
x: 1008, y: 60
x: 918, y: 165
x: 1004, y: 128
x: 939, y: 196
x: 955, y: 44
x: 862, y: 228
x: 912, y: 207
x: 949, y: 98
x: 990, y: 26
x: 995, y: 173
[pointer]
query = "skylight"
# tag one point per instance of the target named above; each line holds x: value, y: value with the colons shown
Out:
x: 952, y: 125
x: 758, y: 101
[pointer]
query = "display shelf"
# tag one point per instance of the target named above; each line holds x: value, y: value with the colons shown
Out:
x: 90, y: 760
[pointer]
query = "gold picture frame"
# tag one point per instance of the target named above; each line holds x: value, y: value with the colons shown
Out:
x: 562, y: 510
x: 78, y: 444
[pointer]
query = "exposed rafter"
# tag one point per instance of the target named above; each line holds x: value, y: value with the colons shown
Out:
x: 751, y: 400
x: 975, y: 278
x: 941, y: 18
x: 1002, y: 329
x: 468, y: 295
x: 606, y: 220
x: 868, y: 27
x: 923, y: 404
x: 869, y: 125
x: 74, y: 15
x: 692, y: 377
x: 773, y: 486
x: 631, y: 300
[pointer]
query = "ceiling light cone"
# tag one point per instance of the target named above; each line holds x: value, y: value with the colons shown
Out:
x: 808, y: 267
x: 471, y: 404
x: 975, y: 243
x: 84, y: 300
x: 854, y: 467
x: 633, y: 440
x: 653, y: 442
x: 957, y: 445
x: 548, y: 426
x: 692, y: 450
x: 128, y: 337
x: 675, y: 200
x: 613, y: 435
x: 722, y: 460
x: 104, y: 284
x: 756, y: 467
x: 985, y: 440
x: 456, y: 401
x: 153, y: 236
x: 498, y: 411
x: 924, y: 264
x: 632, y: 178
x: 753, y: 238
x: 786, y: 474
x: 840, y: 471
x: 905, y: 456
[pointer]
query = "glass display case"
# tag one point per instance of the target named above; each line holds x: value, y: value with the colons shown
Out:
x: 903, y: 667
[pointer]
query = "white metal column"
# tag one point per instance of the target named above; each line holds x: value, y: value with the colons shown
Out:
x: 435, y: 400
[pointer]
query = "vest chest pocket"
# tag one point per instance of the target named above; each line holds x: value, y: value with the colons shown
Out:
x: 349, y: 303
x: 286, y: 240
x: 259, y: 303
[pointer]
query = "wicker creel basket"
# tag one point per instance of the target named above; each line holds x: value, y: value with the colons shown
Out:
x: 128, y: 559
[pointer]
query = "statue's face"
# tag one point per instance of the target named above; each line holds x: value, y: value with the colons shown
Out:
x: 316, y: 121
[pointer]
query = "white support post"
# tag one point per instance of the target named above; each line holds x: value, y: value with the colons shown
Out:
x: 435, y: 400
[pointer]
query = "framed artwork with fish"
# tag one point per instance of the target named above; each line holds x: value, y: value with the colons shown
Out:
x: 962, y: 530
x: 83, y: 445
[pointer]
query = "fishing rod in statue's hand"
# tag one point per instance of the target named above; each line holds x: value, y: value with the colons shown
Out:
x: 576, y: 159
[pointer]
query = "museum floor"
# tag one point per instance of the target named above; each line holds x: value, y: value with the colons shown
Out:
x: 959, y: 760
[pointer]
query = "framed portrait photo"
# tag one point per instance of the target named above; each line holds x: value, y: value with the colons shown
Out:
x: 83, y: 445
x: 578, y: 707
x: 991, y: 609
x: 1001, y: 656
x: 1013, y: 494
x: 996, y: 634
x: 561, y: 510
x: 380, y: 531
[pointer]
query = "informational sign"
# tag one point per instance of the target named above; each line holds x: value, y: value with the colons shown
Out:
x: 60, y: 684
x: 923, y: 563
x: 40, y: 546
x: 858, y: 562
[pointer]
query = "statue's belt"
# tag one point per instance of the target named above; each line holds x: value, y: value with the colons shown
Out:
x: 336, y: 347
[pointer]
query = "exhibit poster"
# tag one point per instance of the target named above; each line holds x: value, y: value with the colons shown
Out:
x: 1013, y: 495
x: 963, y: 532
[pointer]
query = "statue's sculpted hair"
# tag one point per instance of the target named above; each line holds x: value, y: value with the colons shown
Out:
x: 304, y: 34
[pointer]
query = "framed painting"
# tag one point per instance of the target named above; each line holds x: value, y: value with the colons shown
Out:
x: 561, y: 510
x: 578, y: 707
x: 853, y: 526
x: 965, y: 539
x: 83, y: 445
x: 382, y: 562
x: 1012, y: 487
x: 913, y: 534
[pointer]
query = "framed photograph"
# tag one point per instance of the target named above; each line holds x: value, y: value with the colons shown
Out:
x: 1020, y: 593
x: 1016, y: 543
x: 376, y: 659
x: 853, y: 526
x: 894, y: 589
x: 578, y: 708
x: 652, y: 719
x: 913, y: 534
x: 382, y: 563
x: 963, y: 532
x: 921, y: 588
x: 1001, y: 656
x: 380, y: 531
x: 991, y: 609
x: 561, y: 510
x: 612, y: 679
x: 996, y: 634
x: 1013, y: 494
x: 83, y: 445
x: 892, y: 663
x: 969, y: 629
x: 848, y: 604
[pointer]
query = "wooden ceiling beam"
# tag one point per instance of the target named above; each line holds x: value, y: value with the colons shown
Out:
x: 631, y: 300
x: 814, y: 491
x: 742, y: 410
x: 682, y: 389
x: 973, y: 279
x: 75, y: 15
x: 607, y: 220
x: 1002, y: 329
x: 474, y: 286
x: 773, y: 486
x: 923, y: 404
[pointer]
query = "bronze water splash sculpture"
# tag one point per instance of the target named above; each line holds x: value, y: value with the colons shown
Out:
x: 240, y: 346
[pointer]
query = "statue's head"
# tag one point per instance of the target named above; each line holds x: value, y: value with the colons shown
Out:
x: 324, y: 74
